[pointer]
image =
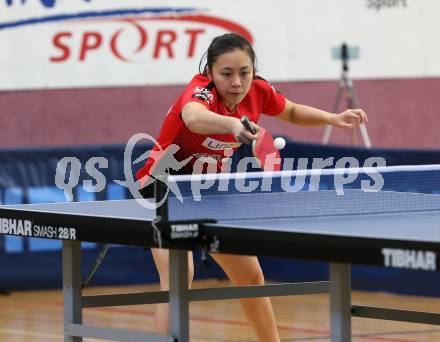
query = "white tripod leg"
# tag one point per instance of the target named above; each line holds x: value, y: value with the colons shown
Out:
x: 328, y: 128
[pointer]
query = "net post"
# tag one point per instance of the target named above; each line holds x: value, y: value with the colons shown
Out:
x: 160, y: 191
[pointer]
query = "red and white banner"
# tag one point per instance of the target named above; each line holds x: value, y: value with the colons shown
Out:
x: 98, y: 43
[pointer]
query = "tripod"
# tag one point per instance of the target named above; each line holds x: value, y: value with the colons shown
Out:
x: 346, y: 86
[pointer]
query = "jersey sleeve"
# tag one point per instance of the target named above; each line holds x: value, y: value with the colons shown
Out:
x: 273, y: 101
x: 199, y: 90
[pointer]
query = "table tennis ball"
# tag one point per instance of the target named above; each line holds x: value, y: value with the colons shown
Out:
x: 279, y: 143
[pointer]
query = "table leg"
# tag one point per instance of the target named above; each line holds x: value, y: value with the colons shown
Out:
x: 179, y: 295
x: 72, y: 286
x: 340, y: 302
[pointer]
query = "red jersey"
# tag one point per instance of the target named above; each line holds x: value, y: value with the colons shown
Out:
x: 261, y: 98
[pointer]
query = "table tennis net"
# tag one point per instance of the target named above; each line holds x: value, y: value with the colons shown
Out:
x: 308, y: 193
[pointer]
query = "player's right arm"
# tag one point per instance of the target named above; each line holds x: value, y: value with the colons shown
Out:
x: 201, y: 120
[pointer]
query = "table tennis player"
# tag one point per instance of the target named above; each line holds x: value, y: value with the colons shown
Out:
x: 205, y: 122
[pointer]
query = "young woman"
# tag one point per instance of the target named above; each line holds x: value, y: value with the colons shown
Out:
x: 205, y: 122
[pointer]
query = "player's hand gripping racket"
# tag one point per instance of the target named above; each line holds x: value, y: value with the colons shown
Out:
x: 263, y: 147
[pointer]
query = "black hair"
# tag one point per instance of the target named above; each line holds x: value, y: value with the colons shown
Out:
x: 226, y: 43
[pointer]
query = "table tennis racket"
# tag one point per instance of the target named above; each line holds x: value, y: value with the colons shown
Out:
x: 263, y: 148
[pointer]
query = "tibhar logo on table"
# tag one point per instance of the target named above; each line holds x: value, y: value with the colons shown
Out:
x: 27, y: 228
x: 412, y: 259
x: 69, y: 170
x: 183, y: 231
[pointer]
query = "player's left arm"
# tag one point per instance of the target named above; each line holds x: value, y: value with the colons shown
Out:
x: 309, y: 116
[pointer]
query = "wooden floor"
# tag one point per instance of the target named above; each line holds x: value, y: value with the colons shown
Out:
x: 38, y: 316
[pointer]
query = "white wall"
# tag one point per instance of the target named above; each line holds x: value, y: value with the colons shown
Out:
x: 69, y: 44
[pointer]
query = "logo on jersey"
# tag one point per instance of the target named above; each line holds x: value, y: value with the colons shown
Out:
x: 218, y: 145
x: 208, y: 157
x: 203, y: 94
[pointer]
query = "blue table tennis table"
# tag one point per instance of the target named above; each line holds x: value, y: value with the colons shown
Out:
x: 382, y: 228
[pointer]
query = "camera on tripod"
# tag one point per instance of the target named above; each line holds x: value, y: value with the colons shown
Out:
x: 345, y: 52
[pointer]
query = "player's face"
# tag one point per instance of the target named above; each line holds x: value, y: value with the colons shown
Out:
x: 232, y: 75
